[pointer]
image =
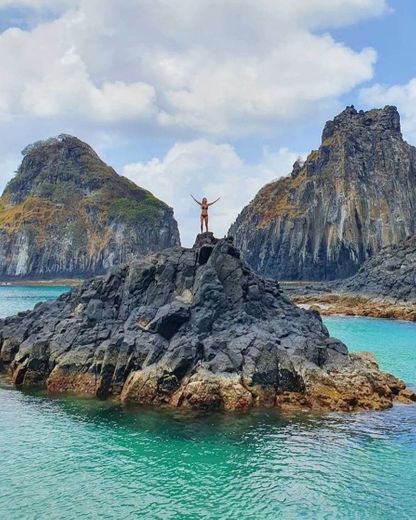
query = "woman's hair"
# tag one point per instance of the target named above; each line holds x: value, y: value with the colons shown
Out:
x: 204, y: 200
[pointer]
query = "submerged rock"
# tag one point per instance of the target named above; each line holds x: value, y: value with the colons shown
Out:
x: 192, y: 328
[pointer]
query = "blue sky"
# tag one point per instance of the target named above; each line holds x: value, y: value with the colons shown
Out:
x: 393, y: 36
x: 214, y: 97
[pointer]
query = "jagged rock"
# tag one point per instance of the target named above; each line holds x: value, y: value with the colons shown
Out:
x: 170, y: 329
x: 350, y: 198
x: 169, y: 318
x: 67, y: 214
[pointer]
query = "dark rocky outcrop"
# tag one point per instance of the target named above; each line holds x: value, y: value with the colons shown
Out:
x: 390, y: 274
x: 192, y: 328
x: 384, y: 287
x: 351, y: 197
x: 67, y: 214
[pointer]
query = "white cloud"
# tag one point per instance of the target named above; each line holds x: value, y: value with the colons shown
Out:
x: 190, y: 71
x: 207, y: 66
x: 43, y: 78
x: 244, y: 94
x: 403, y: 96
x: 212, y: 170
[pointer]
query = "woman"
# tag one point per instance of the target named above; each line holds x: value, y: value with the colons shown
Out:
x: 204, y: 205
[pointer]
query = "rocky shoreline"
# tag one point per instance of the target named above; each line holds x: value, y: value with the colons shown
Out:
x: 353, y: 305
x: 384, y: 287
x: 330, y: 302
x: 193, y: 328
x: 54, y: 282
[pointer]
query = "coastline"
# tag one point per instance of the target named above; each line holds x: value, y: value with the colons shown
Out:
x: 340, y: 304
x: 72, y: 282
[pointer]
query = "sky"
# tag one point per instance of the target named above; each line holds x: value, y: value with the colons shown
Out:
x: 209, y: 97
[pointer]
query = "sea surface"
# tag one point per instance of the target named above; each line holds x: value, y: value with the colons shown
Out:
x: 71, y: 458
x: 17, y: 298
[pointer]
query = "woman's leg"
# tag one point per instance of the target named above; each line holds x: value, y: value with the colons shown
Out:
x: 202, y: 224
x: 206, y: 224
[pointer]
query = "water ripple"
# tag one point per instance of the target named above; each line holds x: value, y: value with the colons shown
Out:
x: 73, y: 458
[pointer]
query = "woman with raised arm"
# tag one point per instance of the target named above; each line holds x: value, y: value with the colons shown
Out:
x: 204, y: 205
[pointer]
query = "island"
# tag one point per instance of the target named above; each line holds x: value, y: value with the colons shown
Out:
x: 193, y: 328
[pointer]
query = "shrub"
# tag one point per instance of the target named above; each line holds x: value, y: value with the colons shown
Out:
x: 133, y: 211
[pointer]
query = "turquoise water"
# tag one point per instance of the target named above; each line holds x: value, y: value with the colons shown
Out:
x: 16, y: 298
x: 392, y: 342
x: 68, y: 458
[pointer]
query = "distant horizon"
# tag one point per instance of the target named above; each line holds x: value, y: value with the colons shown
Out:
x: 214, y: 99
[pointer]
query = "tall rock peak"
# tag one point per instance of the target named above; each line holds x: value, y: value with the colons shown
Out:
x: 351, y: 121
x: 351, y: 197
x: 67, y: 213
x: 58, y: 161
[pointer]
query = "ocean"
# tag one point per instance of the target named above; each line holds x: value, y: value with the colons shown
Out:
x: 73, y: 458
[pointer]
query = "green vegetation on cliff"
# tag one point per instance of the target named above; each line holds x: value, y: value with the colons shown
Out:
x: 66, y: 171
x: 129, y: 210
x: 67, y: 212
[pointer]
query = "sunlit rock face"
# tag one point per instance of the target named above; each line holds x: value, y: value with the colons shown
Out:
x: 66, y: 213
x: 192, y: 328
x: 351, y: 197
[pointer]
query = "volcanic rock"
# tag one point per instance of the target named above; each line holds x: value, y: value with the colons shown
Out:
x: 351, y: 197
x: 384, y: 287
x: 193, y: 328
x: 389, y: 274
x: 67, y: 214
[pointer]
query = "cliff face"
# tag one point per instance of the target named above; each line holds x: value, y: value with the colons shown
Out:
x: 66, y: 213
x: 190, y: 328
x: 351, y: 197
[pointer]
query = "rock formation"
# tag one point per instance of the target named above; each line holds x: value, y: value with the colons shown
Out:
x: 190, y: 328
x: 67, y: 214
x: 390, y: 274
x: 384, y: 287
x: 350, y: 198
